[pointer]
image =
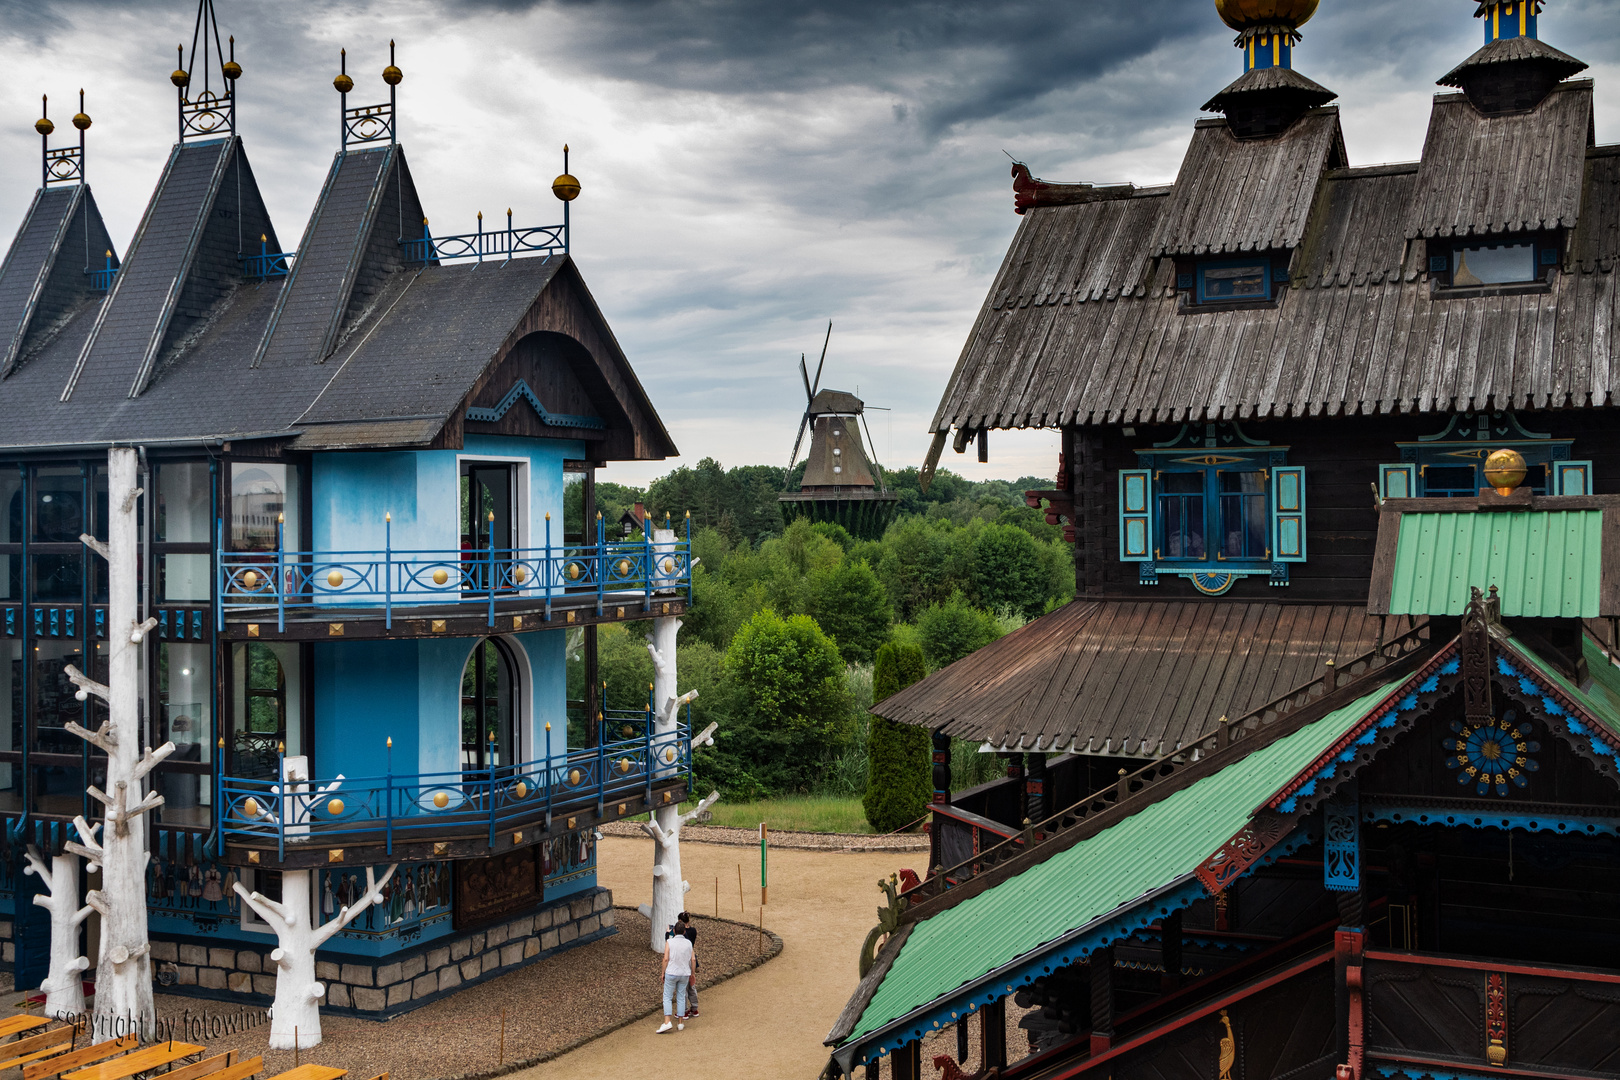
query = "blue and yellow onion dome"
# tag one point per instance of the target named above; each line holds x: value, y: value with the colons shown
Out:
x: 1240, y: 15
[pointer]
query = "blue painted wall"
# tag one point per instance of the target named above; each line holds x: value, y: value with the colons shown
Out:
x: 365, y: 693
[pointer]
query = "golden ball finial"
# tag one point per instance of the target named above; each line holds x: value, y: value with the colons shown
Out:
x: 343, y: 84
x: 44, y: 126
x: 232, y: 70
x: 1505, y: 470
x: 566, y: 187
x: 392, y: 75
x: 1242, y: 14
x: 81, y: 121
x: 180, y: 77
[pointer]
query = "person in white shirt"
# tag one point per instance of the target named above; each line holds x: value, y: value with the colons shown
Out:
x: 677, y: 971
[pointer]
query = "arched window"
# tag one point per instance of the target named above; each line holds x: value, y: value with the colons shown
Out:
x: 267, y: 708
x: 489, y: 713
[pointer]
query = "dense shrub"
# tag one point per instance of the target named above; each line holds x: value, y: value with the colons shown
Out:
x: 955, y: 628
x: 899, y: 781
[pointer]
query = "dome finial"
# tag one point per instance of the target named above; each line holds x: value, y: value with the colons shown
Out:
x: 1267, y: 30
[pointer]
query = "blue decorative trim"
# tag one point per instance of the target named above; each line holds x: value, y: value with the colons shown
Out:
x: 11, y: 622
x: 1341, y: 842
x: 196, y: 625
x: 1397, y: 1072
x: 101, y: 622
x: 1127, y: 922
x: 1533, y: 686
x: 1385, y: 720
x: 1147, y: 574
x: 520, y: 389
x: 163, y: 623
x: 1564, y: 824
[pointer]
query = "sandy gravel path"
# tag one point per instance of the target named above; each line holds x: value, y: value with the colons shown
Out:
x: 768, y: 1022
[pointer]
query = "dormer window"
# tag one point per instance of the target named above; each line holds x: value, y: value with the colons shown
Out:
x: 1253, y: 279
x: 1475, y: 265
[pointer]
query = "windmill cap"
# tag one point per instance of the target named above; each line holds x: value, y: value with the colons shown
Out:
x: 836, y: 402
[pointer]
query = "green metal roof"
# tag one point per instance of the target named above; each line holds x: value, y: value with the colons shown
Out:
x: 1545, y: 564
x: 1162, y: 843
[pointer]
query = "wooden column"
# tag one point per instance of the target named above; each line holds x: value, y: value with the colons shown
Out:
x: 942, y: 768
x: 993, y: 1034
x: 1102, y: 1000
x: 1035, y: 789
x: 1170, y: 951
x: 908, y: 1061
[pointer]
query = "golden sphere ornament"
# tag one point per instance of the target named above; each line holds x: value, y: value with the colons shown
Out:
x: 81, y: 121
x: 343, y: 84
x: 520, y: 575
x: 566, y: 187
x: 573, y: 777
x: 335, y: 578
x: 440, y: 576
x: 250, y: 807
x: 180, y: 77
x: 335, y: 807
x: 441, y: 800
x: 624, y: 567
x: 522, y: 790
x: 1242, y: 14
x: 392, y: 75
x: 231, y: 70
x: 250, y: 580
x: 573, y: 571
x: 1505, y: 470
x: 44, y: 126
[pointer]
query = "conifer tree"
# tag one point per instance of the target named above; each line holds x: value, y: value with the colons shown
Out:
x: 899, y: 780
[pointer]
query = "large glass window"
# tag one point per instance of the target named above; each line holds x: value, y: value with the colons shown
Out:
x: 267, y: 707
x: 261, y: 492
x: 1210, y: 508
x: 11, y: 505
x: 1181, y: 515
x: 1244, y: 523
x: 58, y: 504
x: 12, y: 712
x: 489, y: 735
x: 182, y: 518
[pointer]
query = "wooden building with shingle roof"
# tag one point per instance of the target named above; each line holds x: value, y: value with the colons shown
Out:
x: 1339, y: 465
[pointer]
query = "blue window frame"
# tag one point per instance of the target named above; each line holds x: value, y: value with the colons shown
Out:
x: 1224, y: 281
x: 1213, y: 513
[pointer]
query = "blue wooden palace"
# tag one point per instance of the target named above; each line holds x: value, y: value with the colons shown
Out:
x: 369, y: 541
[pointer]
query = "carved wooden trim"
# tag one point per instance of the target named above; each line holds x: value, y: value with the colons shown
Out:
x: 1243, y: 850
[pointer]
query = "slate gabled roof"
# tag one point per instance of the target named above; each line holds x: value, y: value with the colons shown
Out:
x: 46, y: 270
x: 353, y: 348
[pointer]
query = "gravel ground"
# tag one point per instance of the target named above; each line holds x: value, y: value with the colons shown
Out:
x: 551, y: 1007
x: 808, y: 841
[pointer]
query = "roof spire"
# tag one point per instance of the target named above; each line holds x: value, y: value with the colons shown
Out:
x: 64, y: 165
x: 1270, y: 96
x: 1267, y: 30
x: 368, y: 123
x: 1515, y: 70
x: 209, y: 112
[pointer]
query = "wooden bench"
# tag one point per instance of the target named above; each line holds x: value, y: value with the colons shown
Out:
x: 141, y: 1061
x: 240, y: 1071
x: 44, y: 1070
x: 16, y: 1025
x: 201, y: 1068
x: 312, y: 1072
x: 14, y: 1055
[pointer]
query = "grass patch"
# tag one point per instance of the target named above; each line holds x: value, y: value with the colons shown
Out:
x: 796, y: 813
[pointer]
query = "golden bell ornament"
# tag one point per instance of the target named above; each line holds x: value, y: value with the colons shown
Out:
x: 1505, y: 470
x: 44, y: 126
x: 231, y: 70
x: 392, y: 75
x: 335, y: 807
x: 441, y: 800
x: 335, y: 578
x: 180, y: 77
x: 566, y: 187
x: 343, y: 84
x: 440, y: 577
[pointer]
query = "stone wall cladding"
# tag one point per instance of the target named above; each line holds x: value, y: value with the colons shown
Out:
x: 388, y: 986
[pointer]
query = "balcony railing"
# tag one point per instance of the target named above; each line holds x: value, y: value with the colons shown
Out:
x: 472, y: 802
x: 304, y: 582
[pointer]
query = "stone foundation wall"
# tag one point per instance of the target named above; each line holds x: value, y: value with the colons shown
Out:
x: 387, y: 986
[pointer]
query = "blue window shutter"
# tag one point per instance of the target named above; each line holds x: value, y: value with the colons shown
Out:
x: 1397, y: 481
x: 1288, y: 514
x: 1135, y: 515
x: 1571, y: 478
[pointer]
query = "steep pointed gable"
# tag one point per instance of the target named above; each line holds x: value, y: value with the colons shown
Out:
x: 184, y: 258
x: 350, y: 249
x: 47, y: 270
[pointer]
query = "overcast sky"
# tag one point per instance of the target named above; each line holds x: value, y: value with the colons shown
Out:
x: 751, y: 168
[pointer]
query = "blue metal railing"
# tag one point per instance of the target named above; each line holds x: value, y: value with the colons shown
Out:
x: 304, y: 581
x: 267, y: 263
x: 102, y: 280
x: 507, y: 242
x: 396, y: 808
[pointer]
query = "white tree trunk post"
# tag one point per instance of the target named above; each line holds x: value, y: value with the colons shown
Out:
x: 669, y: 888
x: 64, y: 984
x: 124, y: 966
x: 295, y: 1016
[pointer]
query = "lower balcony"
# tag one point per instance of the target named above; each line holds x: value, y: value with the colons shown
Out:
x: 303, y: 822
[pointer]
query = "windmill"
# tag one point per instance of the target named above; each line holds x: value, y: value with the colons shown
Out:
x: 841, y: 482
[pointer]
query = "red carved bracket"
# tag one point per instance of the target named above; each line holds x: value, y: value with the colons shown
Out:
x: 1060, y: 509
x: 1246, y: 848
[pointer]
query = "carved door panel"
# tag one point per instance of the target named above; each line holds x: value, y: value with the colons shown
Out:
x: 1432, y: 1011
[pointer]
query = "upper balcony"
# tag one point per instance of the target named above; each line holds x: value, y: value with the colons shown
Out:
x: 393, y: 592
